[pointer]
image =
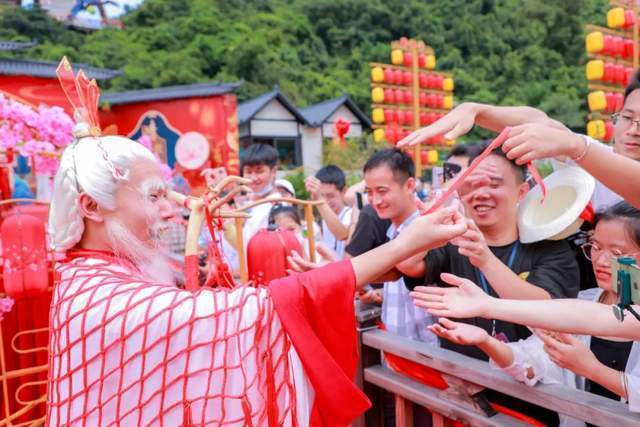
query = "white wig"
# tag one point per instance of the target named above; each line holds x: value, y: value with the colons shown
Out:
x: 83, y: 168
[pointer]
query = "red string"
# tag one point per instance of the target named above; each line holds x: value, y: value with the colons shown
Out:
x: 500, y: 139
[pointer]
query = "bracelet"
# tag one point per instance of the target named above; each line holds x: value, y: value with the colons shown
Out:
x: 587, y: 144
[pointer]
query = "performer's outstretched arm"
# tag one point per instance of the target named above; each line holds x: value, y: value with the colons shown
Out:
x: 574, y: 316
x: 426, y: 232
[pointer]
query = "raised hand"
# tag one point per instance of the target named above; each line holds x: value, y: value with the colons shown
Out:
x: 568, y: 352
x: 533, y: 141
x: 473, y: 245
x: 454, y: 124
x: 434, y: 230
x: 312, y: 184
x: 465, y: 299
x: 459, y: 333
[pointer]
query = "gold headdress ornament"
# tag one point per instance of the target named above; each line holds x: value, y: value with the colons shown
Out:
x: 83, y: 95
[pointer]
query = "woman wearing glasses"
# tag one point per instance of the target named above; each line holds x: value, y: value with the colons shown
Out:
x: 604, y: 366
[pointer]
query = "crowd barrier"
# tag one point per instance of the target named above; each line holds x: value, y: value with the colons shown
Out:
x: 459, y: 370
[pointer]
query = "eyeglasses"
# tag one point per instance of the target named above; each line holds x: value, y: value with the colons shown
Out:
x: 592, y: 252
x: 624, y: 121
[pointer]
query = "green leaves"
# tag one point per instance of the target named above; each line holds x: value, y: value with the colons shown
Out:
x: 500, y: 51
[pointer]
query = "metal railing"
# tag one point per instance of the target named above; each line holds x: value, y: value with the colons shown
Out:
x: 374, y: 378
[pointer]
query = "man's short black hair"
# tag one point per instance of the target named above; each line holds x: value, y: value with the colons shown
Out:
x: 332, y: 174
x: 458, y: 150
x: 259, y: 154
x: 634, y: 84
x: 397, y: 160
x: 521, y: 170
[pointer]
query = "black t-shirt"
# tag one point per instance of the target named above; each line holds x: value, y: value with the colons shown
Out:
x: 370, y: 232
x: 551, y: 265
x: 615, y: 355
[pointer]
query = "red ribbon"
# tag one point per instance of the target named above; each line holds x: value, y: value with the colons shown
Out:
x: 500, y: 139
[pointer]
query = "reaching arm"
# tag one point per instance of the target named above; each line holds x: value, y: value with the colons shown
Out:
x: 535, y: 141
x: 508, y: 284
x: 461, y: 120
x: 335, y: 226
x: 573, y: 316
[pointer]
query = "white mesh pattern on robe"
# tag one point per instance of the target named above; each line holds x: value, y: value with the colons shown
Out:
x: 125, y: 351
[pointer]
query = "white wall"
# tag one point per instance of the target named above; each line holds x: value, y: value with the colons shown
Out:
x: 311, y: 149
x: 274, y: 120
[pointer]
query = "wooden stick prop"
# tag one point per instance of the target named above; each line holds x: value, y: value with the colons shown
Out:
x: 500, y: 139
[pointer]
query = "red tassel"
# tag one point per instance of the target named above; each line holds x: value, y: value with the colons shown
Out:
x: 246, y: 408
x: 272, y: 404
x: 187, y: 420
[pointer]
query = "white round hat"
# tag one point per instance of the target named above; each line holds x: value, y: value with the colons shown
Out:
x: 569, y: 190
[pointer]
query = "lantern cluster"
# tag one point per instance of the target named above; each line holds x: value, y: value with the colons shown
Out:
x: 611, y: 53
x: 608, y: 72
x: 600, y: 129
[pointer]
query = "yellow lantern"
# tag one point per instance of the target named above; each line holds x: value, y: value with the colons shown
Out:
x: 450, y: 142
x: 447, y: 102
x: 447, y: 84
x: 377, y: 115
x: 595, y: 69
x: 432, y: 156
x: 597, y: 100
x: 596, y: 129
x: 430, y: 62
x: 615, y: 17
x: 594, y: 42
x: 397, y: 57
x: 378, y: 135
x: 377, y: 74
x: 377, y: 95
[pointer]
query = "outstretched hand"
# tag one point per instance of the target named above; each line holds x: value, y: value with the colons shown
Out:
x: 454, y: 124
x: 533, y: 141
x: 459, y: 333
x: 435, y: 229
x: 465, y: 299
x: 568, y: 352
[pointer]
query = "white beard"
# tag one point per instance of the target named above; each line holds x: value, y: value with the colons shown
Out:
x: 153, y: 262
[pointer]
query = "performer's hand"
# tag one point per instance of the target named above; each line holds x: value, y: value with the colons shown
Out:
x: 463, y: 300
x: 312, y: 184
x: 434, y: 230
x: 568, y: 352
x: 454, y: 124
x: 326, y: 253
x: 473, y: 245
x: 459, y: 333
x: 535, y: 141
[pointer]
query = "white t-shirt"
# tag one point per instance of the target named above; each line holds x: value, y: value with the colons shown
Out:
x: 330, y: 240
x: 603, y: 197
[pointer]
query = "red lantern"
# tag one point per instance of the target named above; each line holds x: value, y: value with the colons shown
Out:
x: 422, y: 80
x: 608, y: 130
x: 400, y: 116
x: 421, y: 61
x: 406, y: 78
x: 399, y: 96
x: 431, y: 117
x: 431, y: 100
x: 391, y: 135
x: 617, y: 46
x: 438, y: 82
x: 629, y: 19
x: 628, y: 75
x: 422, y: 100
x: 607, y: 45
x: 424, y: 157
x: 397, y: 77
x: 618, y: 102
x: 437, y: 140
x: 408, y: 118
x: 389, y: 77
x: 407, y: 97
x: 389, y: 96
x: 431, y: 81
x: 424, y: 119
x: 267, y: 253
x: 389, y: 116
x: 439, y: 101
x: 618, y: 74
x: 610, y: 102
x: 608, y: 72
x: 628, y: 49
x: 407, y: 59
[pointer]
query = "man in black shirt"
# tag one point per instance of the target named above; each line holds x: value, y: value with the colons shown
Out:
x: 491, y: 255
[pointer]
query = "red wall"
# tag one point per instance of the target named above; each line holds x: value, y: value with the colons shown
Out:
x: 34, y: 91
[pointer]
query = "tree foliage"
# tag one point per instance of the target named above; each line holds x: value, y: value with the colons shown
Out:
x: 500, y: 51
